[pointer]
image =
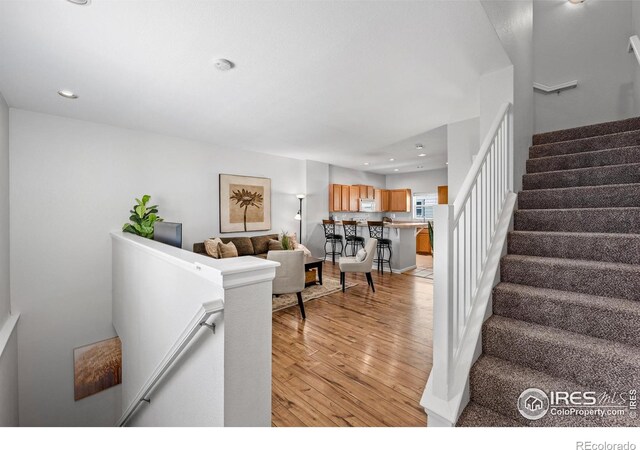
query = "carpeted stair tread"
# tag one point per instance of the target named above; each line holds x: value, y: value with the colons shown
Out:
x: 614, y: 319
x: 597, y: 363
x: 598, y: 129
x: 475, y: 415
x: 613, y: 195
x: 607, y: 247
x: 587, y: 176
x: 589, y: 277
x: 496, y: 384
x: 624, y: 139
x: 609, y: 157
x: 597, y: 220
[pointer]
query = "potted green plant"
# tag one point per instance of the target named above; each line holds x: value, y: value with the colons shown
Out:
x: 142, y: 218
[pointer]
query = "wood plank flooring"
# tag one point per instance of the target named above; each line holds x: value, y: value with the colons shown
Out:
x: 360, y: 358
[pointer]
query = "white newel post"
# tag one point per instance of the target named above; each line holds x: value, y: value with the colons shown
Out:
x: 442, y: 304
x: 247, y: 347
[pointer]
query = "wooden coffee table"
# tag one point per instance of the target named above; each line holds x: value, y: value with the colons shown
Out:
x: 313, y: 263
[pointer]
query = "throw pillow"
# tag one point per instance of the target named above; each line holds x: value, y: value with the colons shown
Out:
x: 361, y: 255
x: 306, y: 251
x: 227, y: 250
x: 211, y: 247
x: 275, y: 245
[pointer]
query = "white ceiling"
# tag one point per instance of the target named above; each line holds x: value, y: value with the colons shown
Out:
x: 334, y: 81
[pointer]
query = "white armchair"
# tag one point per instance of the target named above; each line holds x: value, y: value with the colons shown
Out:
x: 290, y: 274
x: 350, y: 264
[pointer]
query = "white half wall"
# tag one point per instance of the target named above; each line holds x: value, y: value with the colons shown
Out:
x: 585, y: 42
x: 463, y: 142
x: 513, y: 22
x: 72, y: 183
x: 8, y: 352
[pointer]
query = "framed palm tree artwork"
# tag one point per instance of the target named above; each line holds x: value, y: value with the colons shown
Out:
x: 245, y: 203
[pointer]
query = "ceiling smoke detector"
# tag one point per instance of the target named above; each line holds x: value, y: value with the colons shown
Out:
x: 576, y: 2
x: 79, y: 2
x: 419, y: 146
x: 223, y: 65
x: 67, y: 94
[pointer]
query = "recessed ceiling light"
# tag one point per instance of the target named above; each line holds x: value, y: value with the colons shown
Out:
x: 366, y: 164
x: 419, y: 146
x: 79, y: 2
x: 447, y: 163
x: 391, y: 159
x: 67, y: 94
x: 223, y: 64
x: 422, y: 154
x: 395, y: 170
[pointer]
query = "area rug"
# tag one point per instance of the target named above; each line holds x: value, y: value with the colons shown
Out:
x: 422, y: 272
x: 329, y: 286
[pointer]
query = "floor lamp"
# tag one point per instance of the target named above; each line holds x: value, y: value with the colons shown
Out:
x: 299, y: 216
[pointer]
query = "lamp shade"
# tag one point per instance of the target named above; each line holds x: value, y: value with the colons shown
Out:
x: 300, y: 196
x: 298, y: 217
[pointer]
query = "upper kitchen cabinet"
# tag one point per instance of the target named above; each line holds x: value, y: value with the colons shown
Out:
x: 354, y: 198
x: 400, y: 200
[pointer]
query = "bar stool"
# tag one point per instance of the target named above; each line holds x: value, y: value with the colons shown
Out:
x: 351, y: 236
x: 376, y: 231
x: 332, y: 238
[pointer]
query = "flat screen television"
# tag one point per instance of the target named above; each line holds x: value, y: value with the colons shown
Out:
x: 169, y: 233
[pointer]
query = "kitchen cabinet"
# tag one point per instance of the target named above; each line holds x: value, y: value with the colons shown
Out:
x: 370, y: 192
x: 366, y: 191
x: 377, y: 196
x: 400, y: 200
x: 335, y: 197
x: 443, y: 195
x: 344, y: 206
x: 423, y: 243
x: 354, y: 197
x: 385, y: 201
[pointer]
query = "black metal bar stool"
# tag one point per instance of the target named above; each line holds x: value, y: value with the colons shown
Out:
x: 331, y: 238
x: 351, y: 236
x: 376, y: 231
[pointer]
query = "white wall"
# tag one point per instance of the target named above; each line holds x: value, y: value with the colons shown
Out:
x: 8, y: 353
x: 513, y: 22
x: 72, y: 183
x: 463, y: 142
x: 496, y: 88
x: 635, y: 29
x: 315, y: 206
x: 342, y: 175
x: 419, y: 182
x: 585, y: 42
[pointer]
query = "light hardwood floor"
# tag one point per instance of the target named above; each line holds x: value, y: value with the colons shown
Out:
x: 360, y: 358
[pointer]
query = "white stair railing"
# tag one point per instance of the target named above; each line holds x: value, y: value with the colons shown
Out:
x: 469, y: 237
x: 634, y: 46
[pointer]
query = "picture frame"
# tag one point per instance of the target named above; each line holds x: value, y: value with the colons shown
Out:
x: 245, y: 203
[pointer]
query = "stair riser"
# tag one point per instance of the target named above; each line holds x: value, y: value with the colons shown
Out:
x: 619, y: 248
x: 629, y: 155
x: 592, y: 176
x: 585, y: 145
x: 501, y: 394
x: 618, y: 282
x: 575, y: 364
x: 614, y: 196
x: 579, y: 220
x: 619, y: 126
x: 597, y: 319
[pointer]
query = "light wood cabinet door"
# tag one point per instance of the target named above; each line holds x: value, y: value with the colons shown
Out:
x: 401, y: 200
x: 335, y: 197
x: 443, y: 195
x: 344, y: 204
x: 377, y: 196
x: 370, y: 192
x: 354, y: 196
x: 385, y: 201
x: 362, y: 191
x: 423, y: 243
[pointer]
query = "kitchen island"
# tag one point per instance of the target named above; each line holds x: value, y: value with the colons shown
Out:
x: 403, y: 242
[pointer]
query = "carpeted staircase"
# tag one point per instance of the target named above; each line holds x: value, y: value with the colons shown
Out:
x: 566, y: 315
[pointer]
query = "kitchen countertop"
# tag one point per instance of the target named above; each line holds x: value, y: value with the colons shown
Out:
x: 398, y: 224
